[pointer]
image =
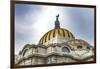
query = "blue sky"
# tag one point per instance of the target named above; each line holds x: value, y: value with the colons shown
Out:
x: 33, y: 21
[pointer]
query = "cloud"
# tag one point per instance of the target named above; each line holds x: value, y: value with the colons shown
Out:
x: 33, y: 21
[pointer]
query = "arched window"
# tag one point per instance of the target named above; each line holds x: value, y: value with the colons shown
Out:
x: 65, y: 49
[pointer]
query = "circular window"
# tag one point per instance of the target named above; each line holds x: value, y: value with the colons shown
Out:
x: 65, y: 49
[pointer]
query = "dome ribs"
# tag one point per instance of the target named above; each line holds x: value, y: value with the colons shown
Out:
x: 54, y: 33
x: 49, y: 35
x: 63, y: 32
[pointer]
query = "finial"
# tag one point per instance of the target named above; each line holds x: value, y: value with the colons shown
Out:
x: 57, y: 24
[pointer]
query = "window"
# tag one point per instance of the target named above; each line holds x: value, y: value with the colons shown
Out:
x: 65, y: 49
x: 79, y: 47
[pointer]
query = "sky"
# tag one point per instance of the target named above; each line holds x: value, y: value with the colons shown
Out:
x: 33, y: 21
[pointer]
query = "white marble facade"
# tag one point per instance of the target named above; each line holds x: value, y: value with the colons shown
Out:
x: 54, y: 53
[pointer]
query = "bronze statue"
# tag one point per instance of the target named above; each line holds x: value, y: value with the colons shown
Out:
x: 57, y: 24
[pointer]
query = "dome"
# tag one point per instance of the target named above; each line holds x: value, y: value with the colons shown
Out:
x: 57, y: 35
x: 76, y: 42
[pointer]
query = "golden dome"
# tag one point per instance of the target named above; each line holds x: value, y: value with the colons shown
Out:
x: 56, y: 35
x: 76, y: 42
x: 57, y: 32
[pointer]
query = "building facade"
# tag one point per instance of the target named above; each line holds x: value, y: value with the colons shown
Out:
x: 58, y: 45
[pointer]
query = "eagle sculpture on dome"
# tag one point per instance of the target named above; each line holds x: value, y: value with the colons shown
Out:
x: 57, y: 23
